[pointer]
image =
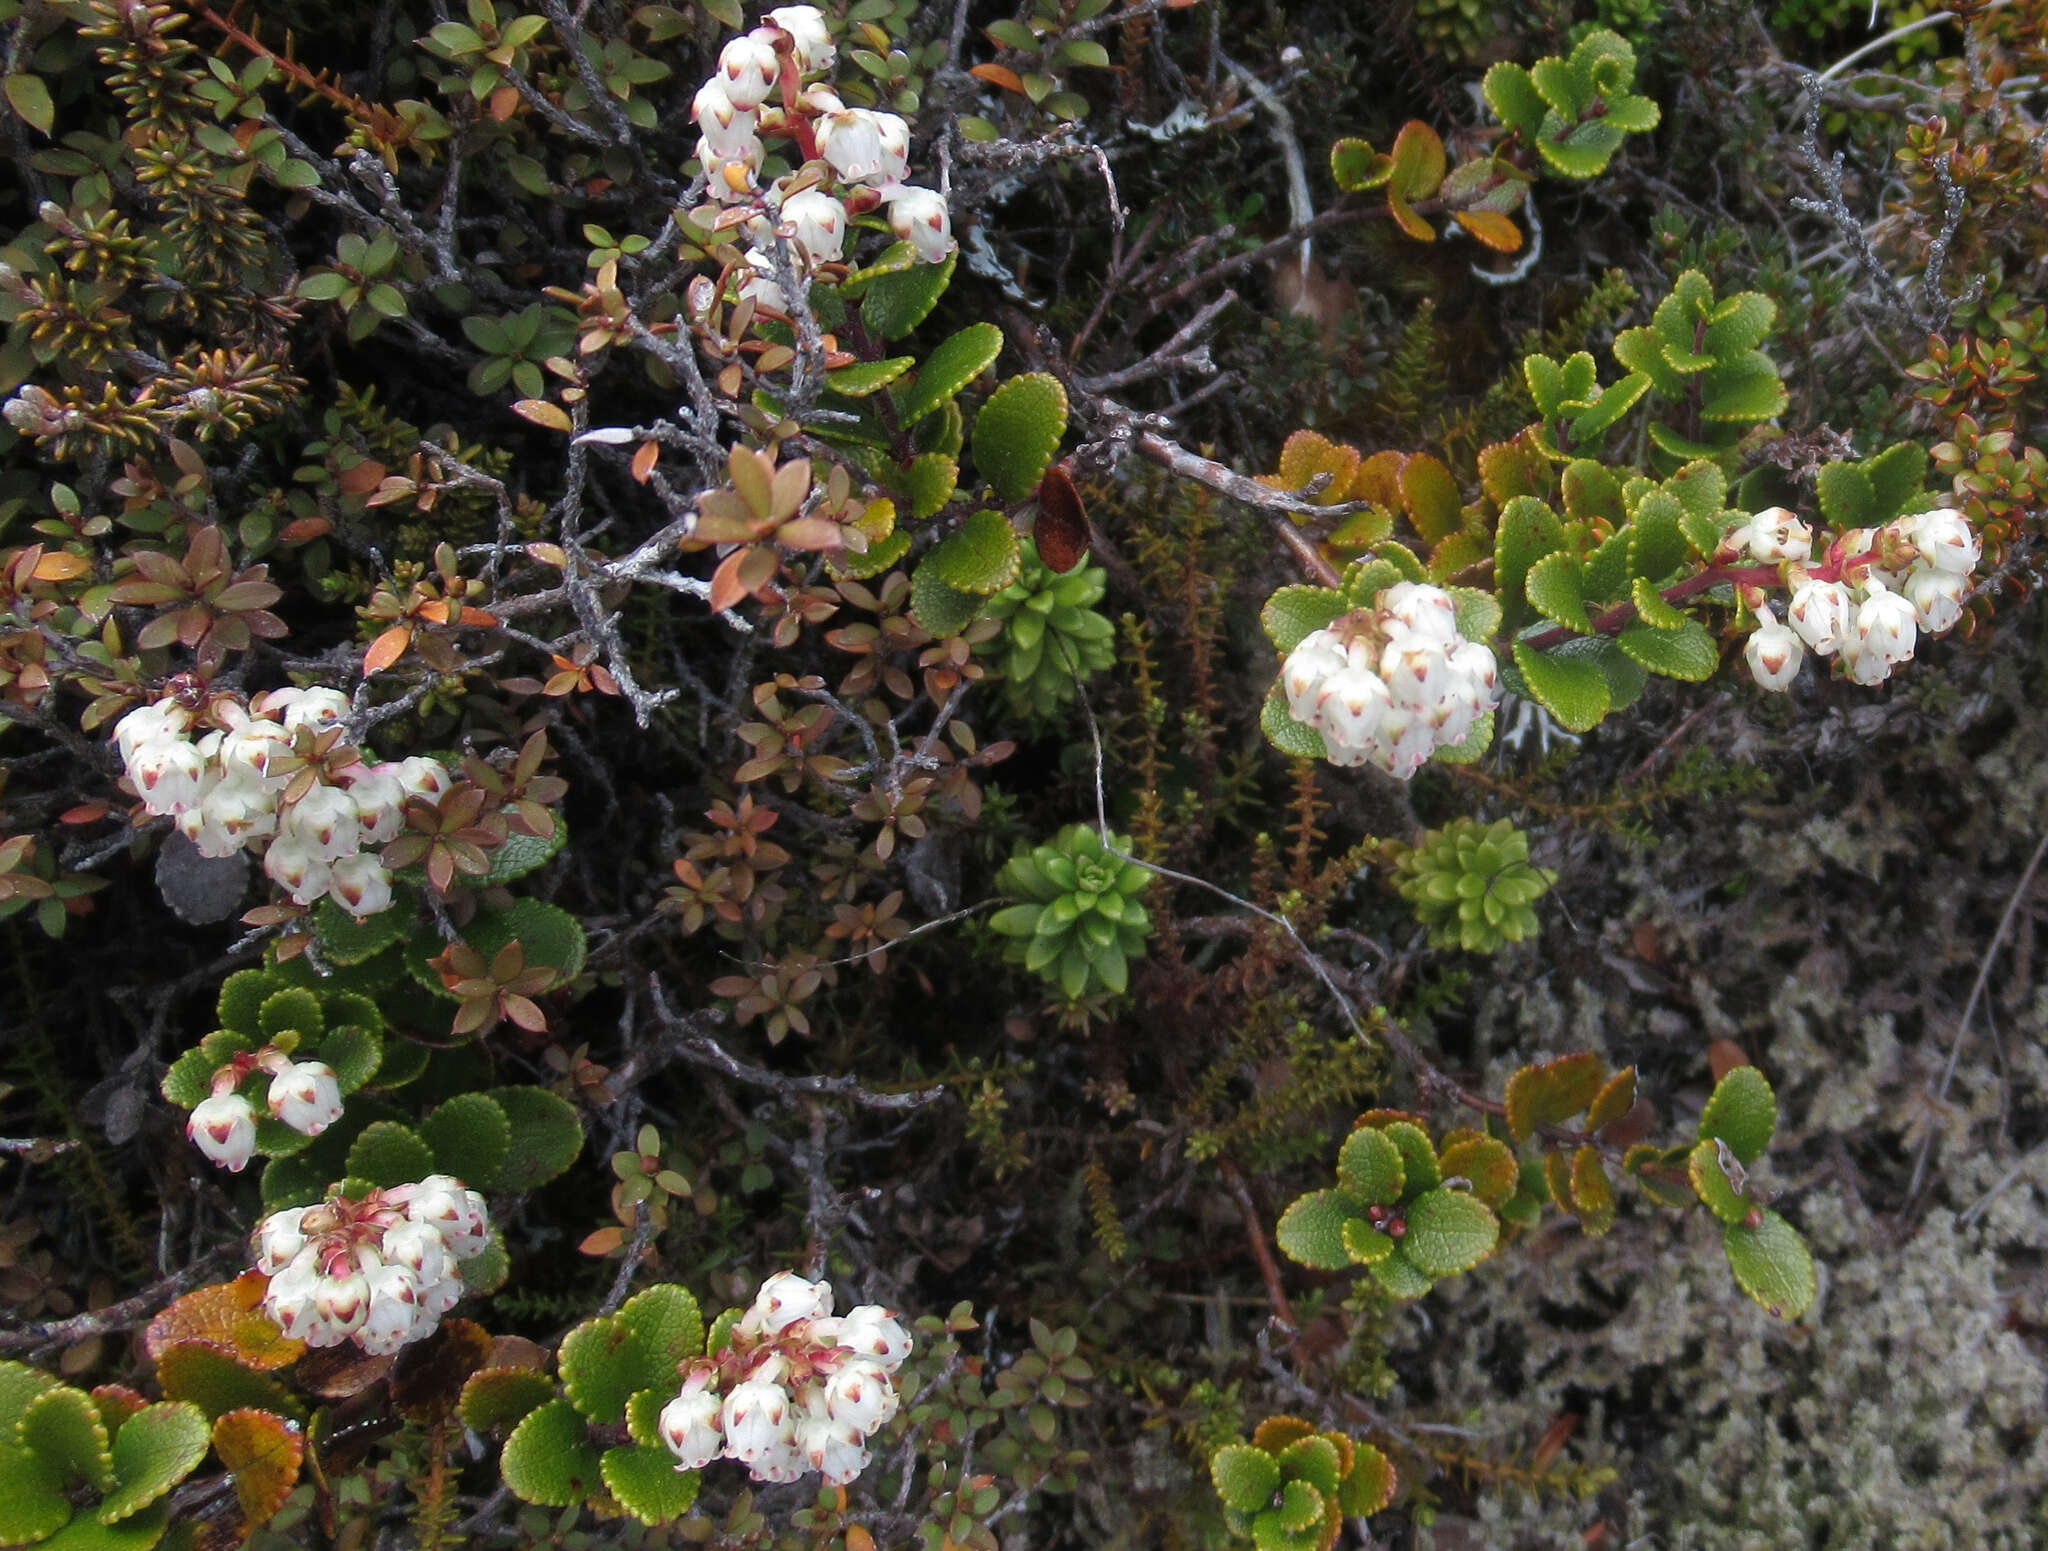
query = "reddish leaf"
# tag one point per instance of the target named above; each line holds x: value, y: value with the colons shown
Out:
x: 363, y: 478
x: 1000, y: 75
x: 1061, y: 530
x: 427, y: 1376
x: 645, y: 459
x: 84, y: 813
x: 1491, y: 228
x: 263, y: 1451
x: 229, y: 1314
x: 387, y: 648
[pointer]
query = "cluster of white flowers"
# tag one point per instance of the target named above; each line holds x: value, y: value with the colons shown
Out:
x: 305, y: 1095
x: 253, y: 777
x: 795, y: 1390
x: 1392, y: 684
x: 1864, y: 603
x: 380, y: 1271
x: 753, y: 93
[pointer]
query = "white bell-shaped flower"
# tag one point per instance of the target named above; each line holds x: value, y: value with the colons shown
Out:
x: 1886, y: 624
x: 1946, y: 541
x: 278, y: 1240
x: 360, y: 884
x: 690, y: 1426
x: 921, y: 217
x: 1937, y: 597
x: 1774, y: 652
x: 747, y: 69
x: 224, y: 1128
x: 1777, y: 534
x: 306, y: 1096
x: 873, y: 1332
x: 816, y: 223
x: 394, y: 1315
x: 1824, y: 614
x: 861, y: 1394
x: 810, y: 38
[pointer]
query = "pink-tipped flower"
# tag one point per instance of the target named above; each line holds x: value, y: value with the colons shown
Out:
x: 1824, y: 614
x: 1886, y: 624
x: 306, y: 1096
x: 342, y: 1301
x: 836, y: 1450
x: 1946, y: 541
x: 169, y: 775
x: 278, y: 1240
x: 689, y: 1425
x: 873, y: 1332
x: 816, y: 223
x: 324, y: 822
x: 747, y: 68
x: 297, y: 869
x: 1422, y: 610
x: 148, y: 723
x: 458, y: 1214
x: 810, y: 39
x: 861, y: 1395
x: 1351, y: 706
x: 1937, y: 597
x: 757, y: 1422
x: 1777, y: 534
x: 1315, y: 657
x: 851, y: 142
x: 293, y: 1300
x: 1774, y: 652
x: 418, y: 1247
x: 224, y: 1128
x: 317, y: 708
x: 921, y: 217
x: 395, y: 1316
x: 362, y: 884
x: 422, y: 777
x: 786, y: 1298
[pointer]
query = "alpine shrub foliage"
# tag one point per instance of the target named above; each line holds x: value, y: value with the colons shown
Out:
x: 956, y: 776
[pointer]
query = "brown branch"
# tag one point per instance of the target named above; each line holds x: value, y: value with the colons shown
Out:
x: 1262, y: 1252
x: 125, y: 1315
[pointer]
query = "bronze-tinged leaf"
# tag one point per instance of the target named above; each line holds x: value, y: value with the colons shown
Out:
x: 1061, y: 529
x: 340, y: 1372
x: 518, y: 1352
x: 387, y: 648
x: 1615, y: 1100
x: 1552, y: 1092
x: 1491, y: 228
x: 230, y: 1315
x: 1553, y: 1440
x: 1276, y: 1432
x: 361, y: 479
x: 427, y: 1376
x: 1557, y: 1179
x: 645, y: 459
x: 1000, y: 75
x: 61, y: 567
x: 263, y: 1451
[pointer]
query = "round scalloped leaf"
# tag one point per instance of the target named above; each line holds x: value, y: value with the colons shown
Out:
x: 546, y: 1136
x: 1369, y: 1486
x: 1572, y: 689
x: 355, y: 1054
x: 1277, y: 1432
x: 1419, y: 1166
x: 894, y: 304
x: 63, y: 1429
x: 230, y: 1315
x: 604, y: 1363
x: 275, y: 1139
x: 1449, y: 1231
x: 155, y: 1449
x: 292, y: 1010
x: 1487, y: 1162
x: 1296, y: 612
x: 344, y: 1007
x: 1245, y: 1477
x: 496, y: 1398
x: 1592, y: 1191
x: 1688, y: 653
x: 548, y: 1460
x: 471, y: 1136
x: 291, y: 1182
x: 950, y: 367
x: 1300, y: 1507
x: 647, y: 1484
x: 346, y: 940
x: 137, y: 1532
x: 1364, y: 1243
x: 519, y: 854
x: 864, y: 378
x: 719, y: 1336
x: 19, y: 1384
x: 190, y: 1079
x: 387, y: 1153
x: 1399, y: 1277
x: 1269, y: 1534
x: 942, y: 609
x: 33, y: 1503
x: 667, y: 1322
x: 929, y: 481
x: 1018, y: 431
x: 212, y: 1380
x: 878, y: 557
x: 1369, y: 1164
x: 1711, y: 1183
x: 263, y: 1452
x: 1743, y: 1112
x: 1289, y: 736
x: 643, y: 1415
x: 1311, y: 1230
x: 1313, y: 1459
x: 486, y: 1270
x: 1773, y: 1264
x: 982, y: 556
x: 241, y: 995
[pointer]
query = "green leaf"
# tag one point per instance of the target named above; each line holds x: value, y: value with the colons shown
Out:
x: 497, y: 1398
x: 647, y: 1484
x: 1590, y: 491
x: 1477, y: 612
x: 1615, y: 400
x: 548, y: 1459
x: 33, y: 1502
x: 1848, y: 496
x: 387, y: 1153
x: 863, y: 378
x: 1311, y: 1230
x: 1514, y: 99
x: 519, y: 854
x: 929, y: 482
x: 668, y: 1324
x: 1449, y: 1231
x: 1572, y: 688
x: 892, y: 305
x: 206, y: 1375
x: 1431, y: 498
x: 1300, y: 1506
x: 1419, y: 1168
x: 1296, y: 612
x: 1369, y: 1165
x: 137, y: 1532
x: 982, y: 556
x: 1688, y: 652
x: 155, y: 1449
x: 877, y: 558
x: 1314, y: 1460
x: 1743, y: 1112
x: 949, y: 368
x: 356, y: 1054
x: 1739, y: 324
x: 1773, y: 1264
x: 1356, y: 166
x: 471, y: 1137
x: 1364, y: 1243
x: 1528, y: 531
x: 1895, y: 476
x: 1018, y: 431
x: 1400, y: 1277
x: 1285, y: 733
x: 19, y: 1385
x: 63, y: 1428
x: 941, y: 608
x: 294, y: 1010
x: 345, y: 940
x: 1710, y: 1182
x: 1474, y: 745
x: 291, y: 1182
x: 30, y: 100
x: 190, y: 1078
x: 1657, y: 544
x: 1245, y: 1477
x: 546, y: 1137
x: 1744, y: 393
x: 1554, y: 590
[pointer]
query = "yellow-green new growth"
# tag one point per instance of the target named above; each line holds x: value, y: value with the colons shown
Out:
x: 1472, y: 885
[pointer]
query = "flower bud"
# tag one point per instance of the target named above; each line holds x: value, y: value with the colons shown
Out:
x: 306, y: 1096
x: 1776, y: 534
x: 1421, y: 610
x: 422, y: 777
x: 441, y: 1201
x: 1824, y: 614
x: 1937, y: 597
x: 786, y: 1298
x: 224, y: 1128
x: 689, y: 1425
x: 1774, y: 652
x: 810, y: 39
x: 1314, y: 658
x: 725, y: 127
